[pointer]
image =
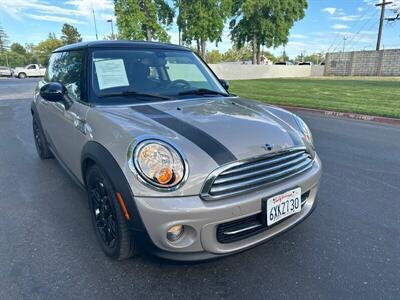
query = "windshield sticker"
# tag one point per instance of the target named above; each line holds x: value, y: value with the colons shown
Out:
x: 111, y: 73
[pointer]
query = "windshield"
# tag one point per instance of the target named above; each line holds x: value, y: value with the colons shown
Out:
x: 151, y: 74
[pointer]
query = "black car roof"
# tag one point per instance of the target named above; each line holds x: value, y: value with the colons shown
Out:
x: 120, y: 44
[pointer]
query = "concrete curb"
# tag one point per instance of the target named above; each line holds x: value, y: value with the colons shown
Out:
x: 336, y: 114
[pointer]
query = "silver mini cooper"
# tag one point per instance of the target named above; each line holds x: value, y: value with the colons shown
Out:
x: 172, y: 163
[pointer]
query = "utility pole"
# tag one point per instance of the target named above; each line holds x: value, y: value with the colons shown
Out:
x: 303, y: 55
x: 179, y: 26
x: 284, y: 53
x: 382, y: 5
x: 95, y: 25
x: 112, y: 28
x: 344, y: 43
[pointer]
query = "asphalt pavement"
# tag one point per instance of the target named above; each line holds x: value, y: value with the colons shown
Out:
x: 349, y: 248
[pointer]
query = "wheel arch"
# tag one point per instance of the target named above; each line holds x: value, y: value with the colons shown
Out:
x: 33, y: 109
x: 95, y: 153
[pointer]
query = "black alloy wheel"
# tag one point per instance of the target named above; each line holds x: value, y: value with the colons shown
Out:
x: 104, y: 215
x: 111, y: 227
x: 36, y: 136
x: 41, y: 144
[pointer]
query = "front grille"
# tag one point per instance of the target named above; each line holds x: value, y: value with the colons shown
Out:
x: 243, y: 228
x: 243, y: 177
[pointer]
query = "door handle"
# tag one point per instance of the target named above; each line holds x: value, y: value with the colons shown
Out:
x: 44, y: 102
x: 60, y: 106
x: 80, y: 125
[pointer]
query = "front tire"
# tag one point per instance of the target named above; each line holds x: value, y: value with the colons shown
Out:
x: 113, y: 234
x: 42, y: 147
x: 22, y: 76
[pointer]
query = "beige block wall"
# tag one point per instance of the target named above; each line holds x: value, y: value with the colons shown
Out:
x: 363, y: 63
x: 238, y: 71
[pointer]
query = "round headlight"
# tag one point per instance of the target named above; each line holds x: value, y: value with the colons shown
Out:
x: 159, y: 164
x: 304, y: 130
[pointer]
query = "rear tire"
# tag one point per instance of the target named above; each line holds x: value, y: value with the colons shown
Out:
x: 22, y: 76
x: 110, y: 225
x: 42, y: 147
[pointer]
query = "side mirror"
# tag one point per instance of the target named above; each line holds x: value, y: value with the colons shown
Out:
x: 53, y: 92
x: 224, y: 83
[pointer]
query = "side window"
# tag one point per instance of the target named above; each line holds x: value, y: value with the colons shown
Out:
x: 32, y: 67
x: 66, y: 67
x: 183, y: 68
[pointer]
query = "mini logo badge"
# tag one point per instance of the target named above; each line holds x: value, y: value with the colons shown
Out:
x: 268, y: 147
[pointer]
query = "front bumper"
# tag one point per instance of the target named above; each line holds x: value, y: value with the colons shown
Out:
x: 201, y: 218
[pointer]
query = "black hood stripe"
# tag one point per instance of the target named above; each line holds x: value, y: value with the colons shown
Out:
x: 207, y: 143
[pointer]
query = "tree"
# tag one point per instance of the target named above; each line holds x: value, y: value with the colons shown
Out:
x: 143, y: 19
x: 214, y: 57
x: 18, y: 48
x: 29, y: 47
x: 396, y: 11
x: 30, y: 55
x: 235, y: 54
x: 264, y: 22
x: 44, y: 49
x: 270, y: 56
x: 3, y: 46
x: 3, y: 40
x: 202, y: 21
x: 315, y: 58
x: 16, y: 60
x: 283, y: 57
x: 70, y: 34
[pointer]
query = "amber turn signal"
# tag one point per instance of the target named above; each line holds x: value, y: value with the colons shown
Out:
x: 165, y: 176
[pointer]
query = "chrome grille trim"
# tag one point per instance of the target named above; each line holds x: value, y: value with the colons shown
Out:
x: 223, y: 178
x: 256, y: 226
x: 257, y: 163
x: 248, y: 175
x: 259, y: 180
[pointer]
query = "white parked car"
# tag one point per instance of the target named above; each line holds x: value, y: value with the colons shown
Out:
x: 6, y: 71
x: 32, y: 70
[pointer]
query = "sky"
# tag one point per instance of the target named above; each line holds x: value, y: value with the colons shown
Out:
x: 327, y: 25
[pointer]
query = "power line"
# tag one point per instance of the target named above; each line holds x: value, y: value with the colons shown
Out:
x: 333, y: 43
x: 357, y: 38
x: 356, y: 35
x: 368, y: 19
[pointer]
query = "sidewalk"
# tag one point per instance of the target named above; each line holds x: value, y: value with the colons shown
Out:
x: 347, y: 115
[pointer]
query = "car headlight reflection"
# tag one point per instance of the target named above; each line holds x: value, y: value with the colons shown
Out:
x: 159, y: 164
x: 305, y: 130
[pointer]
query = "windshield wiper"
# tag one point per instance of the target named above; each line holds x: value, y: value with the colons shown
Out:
x: 203, y: 92
x: 134, y: 93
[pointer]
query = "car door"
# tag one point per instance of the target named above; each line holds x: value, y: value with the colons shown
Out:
x: 30, y: 70
x: 65, y: 124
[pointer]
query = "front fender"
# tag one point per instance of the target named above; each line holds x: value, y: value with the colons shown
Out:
x: 94, y: 152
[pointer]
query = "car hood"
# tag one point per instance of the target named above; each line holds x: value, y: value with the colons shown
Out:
x: 237, y: 128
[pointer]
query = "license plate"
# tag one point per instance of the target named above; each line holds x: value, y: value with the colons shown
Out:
x: 283, y: 205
